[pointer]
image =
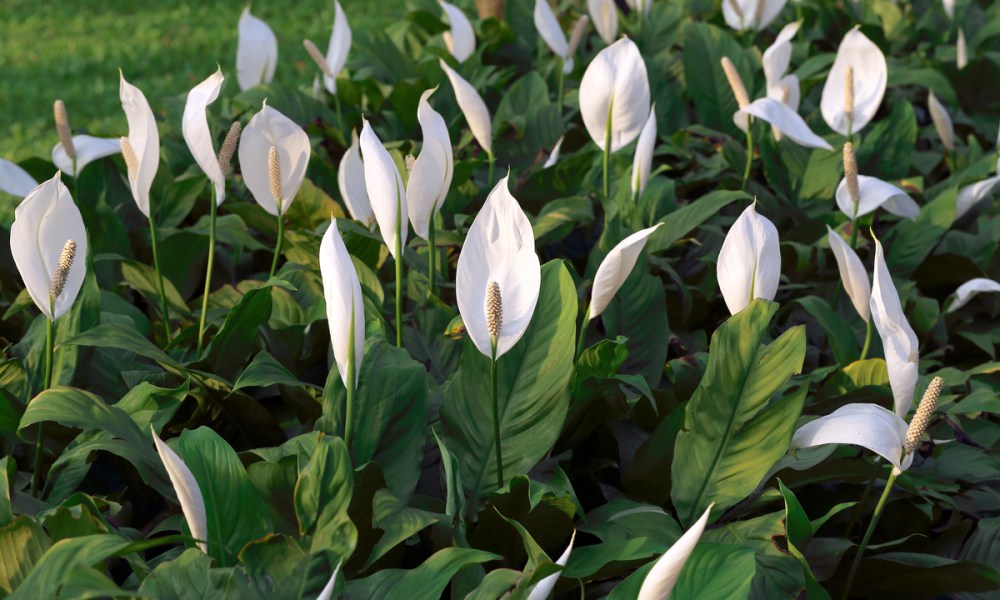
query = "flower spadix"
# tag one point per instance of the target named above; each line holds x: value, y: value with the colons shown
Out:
x: 473, y: 107
x: 873, y: 427
x: 898, y: 339
x: 14, y: 180
x: 188, y: 492
x: 743, y: 15
x: 49, y: 245
x: 615, y: 269
x: 385, y: 190
x: 662, y: 578
x: 551, y: 32
x: 461, y: 40
x: 970, y: 288
x: 141, y: 149
x: 749, y: 264
x: 614, y: 95
x: 544, y: 587
x: 256, y: 51
x: 351, y: 181
x: 345, y: 309
x: 852, y: 273
x: 431, y: 175
x: 197, y: 134
x: 642, y: 162
x: 266, y: 130
x: 73, y: 152
x: 856, y: 84
x: 499, y: 253
x: 604, y: 14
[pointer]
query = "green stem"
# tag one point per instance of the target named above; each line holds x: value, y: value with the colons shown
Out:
x: 159, y: 278
x: 351, y: 385
x: 208, y: 270
x: 281, y: 239
x: 399, y: 291
x: 868, y: 339
x: 36, y: 476
x: 868, y: 534
x: 431, y: 252
x: 583, y: 332
x: 859, y: 507
x: 496, y: 412
x: 340, y: 120
x: 746, y: 170
x: 560, y: 82
x: 492, y: 162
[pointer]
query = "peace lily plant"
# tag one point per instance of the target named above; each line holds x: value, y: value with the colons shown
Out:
x: 256, y: 52
x: 749, y: 264
x: 855, y: 86
x: 552, y: 34
x: 855, y: 280
x: 14, y: 180
x: 661, y: 579
x: 351, y: 181
x: 74, y: 152
x: 331, y: 64
x: 497, y: 283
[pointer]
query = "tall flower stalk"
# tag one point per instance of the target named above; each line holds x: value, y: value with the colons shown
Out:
x: 742, y: 100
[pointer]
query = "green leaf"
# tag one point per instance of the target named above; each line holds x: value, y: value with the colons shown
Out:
x: 717, y: 571
x: 533, y: 381
x: 704, y: 47
x: 236, y: 339
x: 732, y: 432
x: 685, y: 219
x: 22, y: 544
x: 558, y: 217
x: 426, y: 581
x: 72, y: 559
x: 638, y: 313
x: 323, y: 494
x: 123, y: 337
x: 190, y: 577
x: 265, y: 370
x: 236, y: 515
x: 841, y: 337
x: 398, y: 521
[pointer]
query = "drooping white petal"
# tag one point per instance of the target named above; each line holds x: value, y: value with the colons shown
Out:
x: 188, y: 492
x: 615, y: 269
x: 742, y: 15
x: 861, y: 424
x: 88, y: 149
x: 430, y: 178
x: 338, y: 48
x: 43, y: 222
x: 344, y: 305
x: 973, y: 194
x: 898, y: 338
x: 604, y: 14
x: 271, y: 128
x: 961, y: 50
x: 145, y: 141
x: 197, y: 134
x: 256, y: 52
x: 871, y: 75
x: 852, y: 274
x: 327, y: 593
x: 660, y: 580
x: 876, y: 193
x: 15, y: 181
x: 942, y: 121
x: 385, y: 190
x: 970, y: 288
x: 351, y: 180
x: 462, y: 39
x: 473, y: 107
x: 554, y: 155
x: 777, y: 58
x: 749, y: 264
x: 642, y: 162
x: 549, y: 29
x: 779, y: 114
x: 615, y: 79
x: 500, y: 247
x: 544, y: 587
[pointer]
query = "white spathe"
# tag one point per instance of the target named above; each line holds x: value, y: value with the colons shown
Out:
x: 662, y: 578
x: 642, y: 162
x: 942, y: 121
x: 345, y: 309
x: 544, y: 587
x: 861, y: 424
x: 271, y: 128
x: 970, y: 288
x: 385, y: 190
x: 473, y: 107
x: 351, y: 181
x: 616, y: 79
x: 749, y: 264
x: 17, y: 182
x: 461, y: 40
x: 551, y: 32
x: 188, y: 492
x: 145, y: 142
x: 604, y: 14
x: 43, y: 222
x: 338, y: 48
x: 852, y: 274
x: 500, y: 248
x: 776, y: 60
x: 197, y: 135
x: 432, y: 171
x: 256, y: 51
x: 88, y: 149
x: 781, y: 116
x: 554, y: 155
x: 615, y: 269
x: 898, y: 339
x: 871, y: 75
x: 875, y: 193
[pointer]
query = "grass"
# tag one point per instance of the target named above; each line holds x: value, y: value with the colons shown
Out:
x: 73, y: 50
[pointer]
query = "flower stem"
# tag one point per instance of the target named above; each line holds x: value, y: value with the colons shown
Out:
x: 399, y: 292
x: 431, y: 252
x: 496, y: 413
x: 159, y: 278
x: 583, y: 333
x: 281, y: 239
x: 351, y: 385
x: 492, y: 162
x: 746, y: 170
x: 868, y: 534
x: 36, y: 476
x: 340, y: 120
x: 208, y: 271
x: 868, y: 339
x: 560, y: 79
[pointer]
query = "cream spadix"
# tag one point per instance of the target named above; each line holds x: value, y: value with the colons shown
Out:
x: 351, y: 181
x: 271, y: 129
x: 861, y: 89
x: 188, y: 492
x: 614, y: 95
x: 852, y: 273
x: 198, y: 136
x: 144, y: 141
x: 749, y: 264
x: 431, y: 175
x: 345, y: 309
x: 473, y: 107
x: 256, y: 51
x: 385, y: 190
x: 500, y: 249
x: 898, y: 339
x: 662, y: 578
x: 615, y: 269
x: 44, y: 224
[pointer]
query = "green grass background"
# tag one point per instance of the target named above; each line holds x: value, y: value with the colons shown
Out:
x: 73, y: 49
